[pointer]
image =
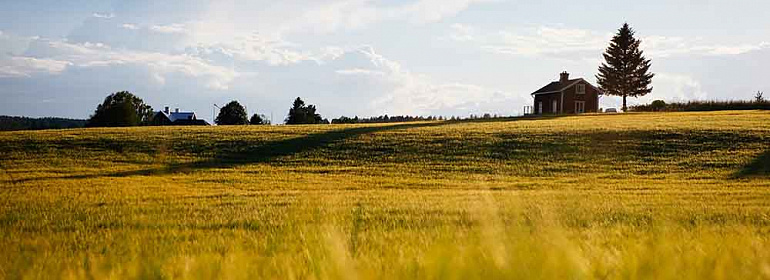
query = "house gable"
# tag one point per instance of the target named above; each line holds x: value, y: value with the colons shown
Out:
x: 558, y: 87
x: 161, y: 118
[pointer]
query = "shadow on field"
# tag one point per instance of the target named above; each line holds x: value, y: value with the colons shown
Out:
x: 758, y: 167
x: 540, y: 153
x: 234, y: 153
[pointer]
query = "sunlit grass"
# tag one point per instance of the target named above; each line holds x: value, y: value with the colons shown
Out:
x: 636, y: 196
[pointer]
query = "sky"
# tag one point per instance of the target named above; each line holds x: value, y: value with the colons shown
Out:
x: 364, y: 57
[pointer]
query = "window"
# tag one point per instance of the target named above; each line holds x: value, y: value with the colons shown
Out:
x: 581, y: 89
x: 554, y: 107
x: 580, y: 107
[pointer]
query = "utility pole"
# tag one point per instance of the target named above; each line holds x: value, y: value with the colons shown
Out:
x: 213, y: 113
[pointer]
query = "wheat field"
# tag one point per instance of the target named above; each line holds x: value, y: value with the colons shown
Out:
x: 625, y: 196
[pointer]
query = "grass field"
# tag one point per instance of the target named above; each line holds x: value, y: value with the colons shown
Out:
x: 631, y: 196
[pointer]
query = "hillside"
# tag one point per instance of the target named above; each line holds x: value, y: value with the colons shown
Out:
x: 593, y: 196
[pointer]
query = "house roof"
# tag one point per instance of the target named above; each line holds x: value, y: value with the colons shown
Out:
x: 556, y: 87
x: 174, y: 116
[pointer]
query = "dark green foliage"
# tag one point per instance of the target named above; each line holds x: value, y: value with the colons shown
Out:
x: 258, y: 119
x: 702, y: 106
x: 625, y: 71
x: 658, y: 105
x: 232, y: 114
x: 304, y: 114
x: 121, y: 109
x: 8, y: 123
x: 384, y: 119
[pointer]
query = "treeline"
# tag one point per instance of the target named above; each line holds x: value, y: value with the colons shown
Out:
x: 384, y: 119
x: 703, y: 106
x: 759, y: 103
x: 398, y: 119
x: 8, y: 123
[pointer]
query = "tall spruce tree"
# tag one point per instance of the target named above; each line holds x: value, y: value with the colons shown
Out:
x: 625, y: 71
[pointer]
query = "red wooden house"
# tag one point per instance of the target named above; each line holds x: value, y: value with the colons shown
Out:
x: 567, y: 96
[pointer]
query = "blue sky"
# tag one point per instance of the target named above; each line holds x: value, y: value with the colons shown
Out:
x: 363, y: 57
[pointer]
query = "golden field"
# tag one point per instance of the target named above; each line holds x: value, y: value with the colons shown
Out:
x: 628, y: 196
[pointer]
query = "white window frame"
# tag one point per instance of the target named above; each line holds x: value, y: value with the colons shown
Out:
x: 540, y: 107
x: 580, y: 107
x: 580, y: 89
x: 554, y: 106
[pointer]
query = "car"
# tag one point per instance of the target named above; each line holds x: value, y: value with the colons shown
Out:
x: 611, y: 110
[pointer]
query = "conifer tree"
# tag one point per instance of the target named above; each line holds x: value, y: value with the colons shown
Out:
x: 299, y: 113
x: 625, y: 71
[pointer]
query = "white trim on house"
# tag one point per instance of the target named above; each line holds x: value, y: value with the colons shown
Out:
x: 550, y: 92
x: 582, y: 106
x: 539, y: 107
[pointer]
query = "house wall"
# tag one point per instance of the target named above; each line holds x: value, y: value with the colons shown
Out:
x: 590, y: 98
x: 547, y: 100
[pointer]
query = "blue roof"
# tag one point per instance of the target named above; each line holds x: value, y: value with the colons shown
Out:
x: 174, y: 116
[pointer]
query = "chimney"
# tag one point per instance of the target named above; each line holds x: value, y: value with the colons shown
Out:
x: 166, y: 110
x: 176, y: 110
x: 564, y: 77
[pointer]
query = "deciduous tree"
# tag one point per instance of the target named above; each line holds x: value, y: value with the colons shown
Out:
x: 121, y: 109
x: 232, y: 114
x: 258, y: 119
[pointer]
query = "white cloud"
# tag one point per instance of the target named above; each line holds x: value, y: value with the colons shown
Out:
x: 662, y: 46
x: 26, y: 66
x: 461, y: 33
x: 359, y: 71
x: 14, y: 63
x: 670, y: 87
x: 337, y: 15
x: 175, y: 28
x: 404, y: 92
x: 55, y: 55
x: 582, y: 44
x: 436, y: 10
x: 13, y: 45
x: 171, y: 28
x: 563, y: 43
x: 255, y: 48
x: 676, y: 87
x: 129, y: 26
x: 547, y: 41
x: 103, y: 15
